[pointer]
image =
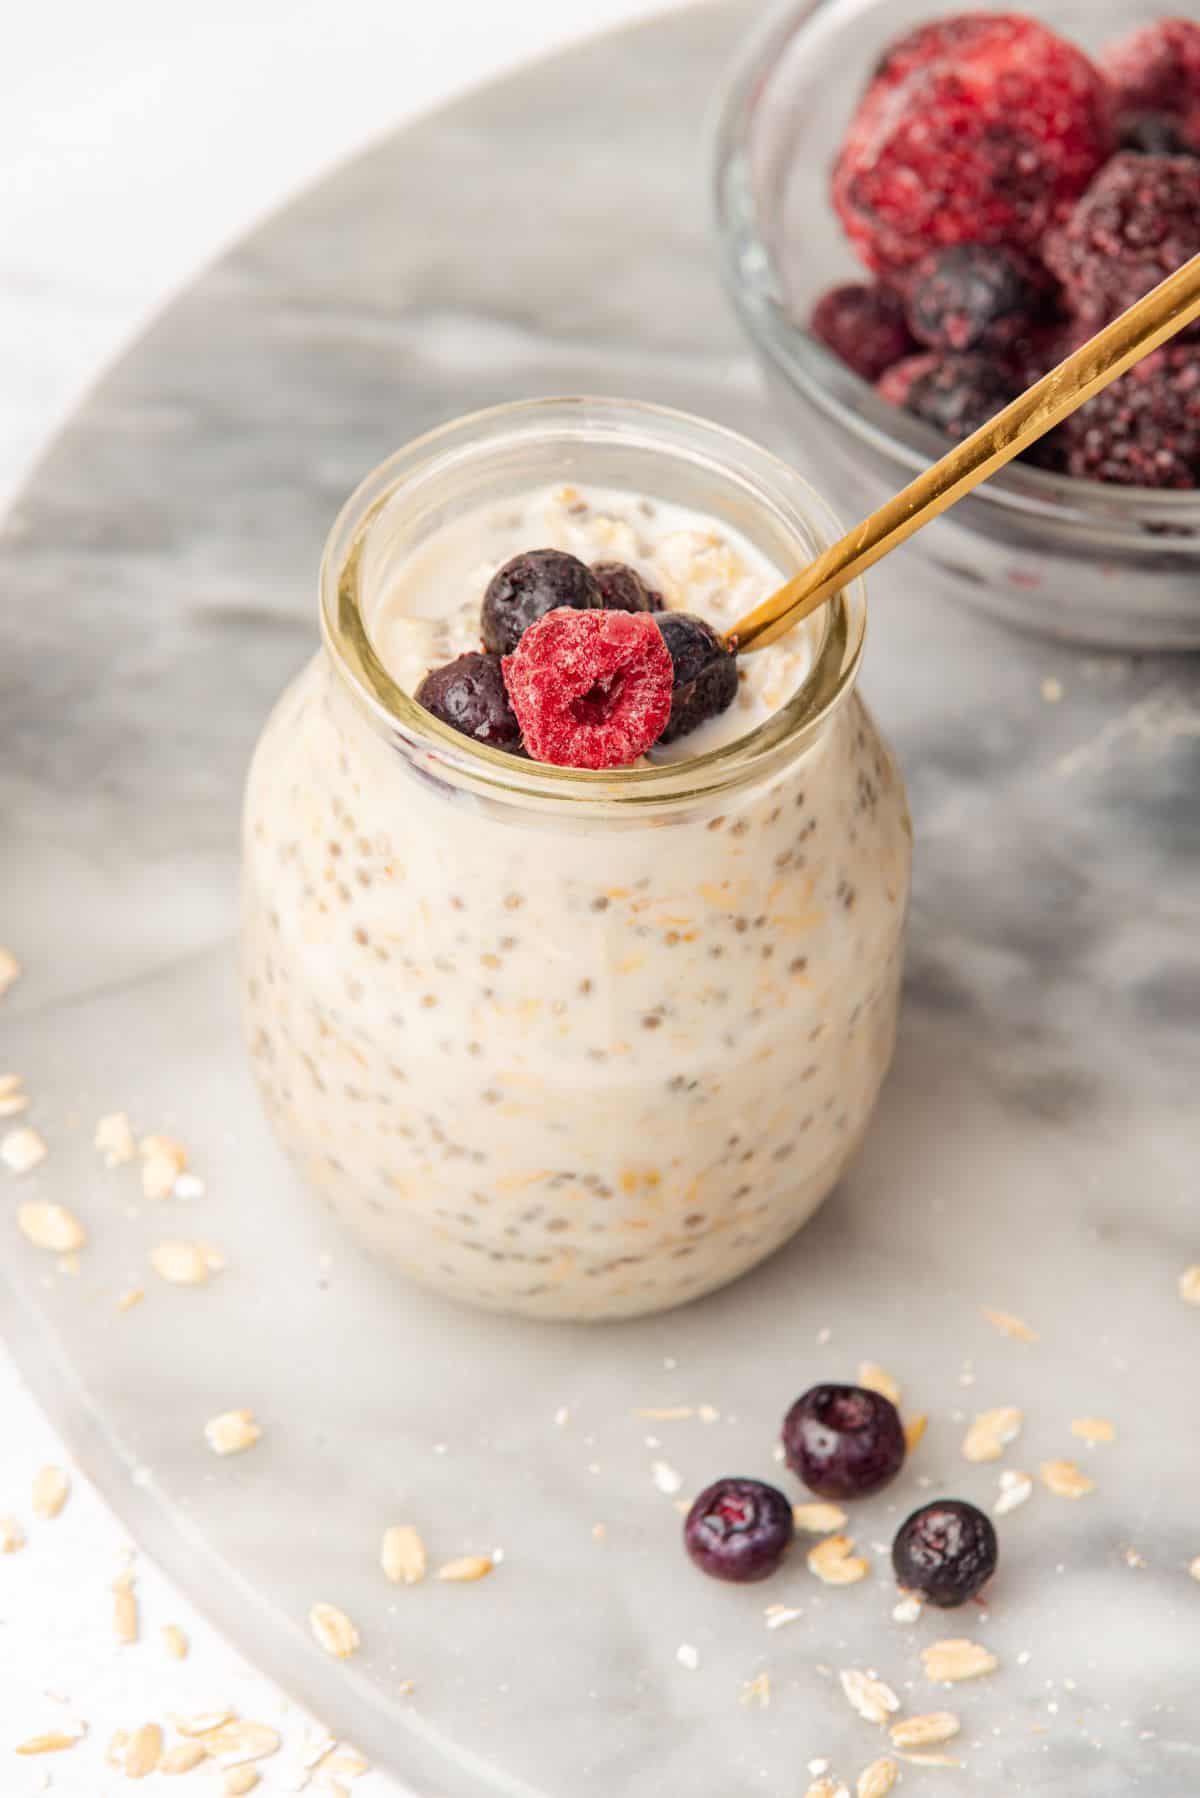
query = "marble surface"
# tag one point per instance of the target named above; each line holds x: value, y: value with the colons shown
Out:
x: 1035, y: 1150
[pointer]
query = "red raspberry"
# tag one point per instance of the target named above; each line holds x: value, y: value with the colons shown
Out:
x: 981, y: 128
x: 1156, y: 68
x: 1137, y: 223
x: 591, y: 689
x: 1144, y: 430
x: 864, y: 327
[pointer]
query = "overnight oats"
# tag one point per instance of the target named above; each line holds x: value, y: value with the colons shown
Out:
x: 574, y: 1041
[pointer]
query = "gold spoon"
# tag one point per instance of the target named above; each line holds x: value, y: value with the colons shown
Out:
x: 1151, y: 323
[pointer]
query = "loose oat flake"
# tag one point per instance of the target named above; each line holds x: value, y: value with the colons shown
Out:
x: 914, y: 1430
x: 133, y: 1295
x: 1008, y: 1325
x: 921, y: 1732
x: 204, y: 1724
x: 115, y: 1139
x: 333, y: 1630
x: 873, y: 1700
x: 51, y: 1741
x: 957, y: 1659
x: 834, y: 1562
x: 757, y: 1691
x: 779, y: 1615
x: 403, y: 1555
x: 239, y: 1781
x: 144, y: 1751
x: 232, y: 1432
x: 466, y: 1569
x: 1194, y: 1568
x: 13, y: 1098
x: 907, y: 1610
x: 181, y: 1263
x: 1066, y: 1480
x: 183, y: 1757
x: 665, y: 1477
x: 235, y: 1741
x: 124, y: 1609
x: 1093, y: 1429
x: 12, y: 1536
x: 22, y: 1150
x: 824, y: 1787
x: 51, y: 1488
x: 877, y: 1780
x: 10, y: 970
x: 163, y: 1160
x: 50, y: 1227
x: 877, y: 1379
x: 174, y: 1642
x: 1016, y: 1489
x: 1189, y: 1285
x: 991, y: 1433
x: 818, y: 1519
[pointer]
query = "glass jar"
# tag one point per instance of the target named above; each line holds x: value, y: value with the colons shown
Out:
x: 570, y: 1044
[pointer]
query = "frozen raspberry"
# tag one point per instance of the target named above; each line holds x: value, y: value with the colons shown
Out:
x: 955, y: 393
x: 591, y: 689
x: 1138, y: 222
x: 974, y: 296
x: 469, y: 695
x: 705, y: 673
x: 863, y: 326
x: 1144, y: 430
x: 525, y: 589
x: 1156, y: 68
x: 1159, y: 134
x: 622, y: 589
x: 980, y: 128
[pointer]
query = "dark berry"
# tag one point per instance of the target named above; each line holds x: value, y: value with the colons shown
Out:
x: 1155, y: 134
x: 844, y: 1441
x: 1138, y: 222
x: 470, y: 696
x: 1156, y: 68
x: 957, y: 394
x: 525, y: 589
x: 982, y: 128
x: 863, y: 326
x: 739, y: 1530
x: 974, y: 296
x: 1144, y: 430
x: 622, y: 589
x: 705, y: 673
x: 946, y: 1552
x: 591, y: 689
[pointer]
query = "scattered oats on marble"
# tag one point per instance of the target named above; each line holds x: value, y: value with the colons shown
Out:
x: 1008, y: 1325
x: 50, y: 1227
x: 466, y: 1569
x: 991, y: 1432
x: 403, y: 1555
x: 51, y: 1489
x: 22, y: 1150
x: 181, y: 1263
x: 115, y: 1139
x: 231, y: 1432
x: 133, y: 1295
x: 174, y: 1642
x: 333, y: 1630
x: 144, y: 1751
x: 818, y: 1518
x: 878, y: 1379
x: 778, y: 1616
x: 1189, y: 1285
x: 50, y: 1741
x: 1066, y: 1480
x: 957, y: 1658
x: 1016, y: 1489
x: 13, y: 1098
x: 665, y: 1413
x: 834, y: 1562
x: 10, y: 970
x: 908, y: 1610
x: 201, y: 1725
x: 825, y: 1787
x: 666, y: 1478
x: 688, y: 1655
x: 914, y: 1430
x: 921, y: 1732
x: 877, y: 1780
x: 235, y: 1741
x: 124, y: 1609
x: 163, y: 1160
x: 12, y: 1536
x: 870, y: 1697
x: 757, y: 1692
x: 1093, y: 1429
x: 183, y: 1757
x: 239, y: 1781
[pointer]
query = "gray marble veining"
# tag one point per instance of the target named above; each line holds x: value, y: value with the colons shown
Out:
x: 1036, y: 1149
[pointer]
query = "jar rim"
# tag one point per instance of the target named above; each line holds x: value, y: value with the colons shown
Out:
x: 761, y: 477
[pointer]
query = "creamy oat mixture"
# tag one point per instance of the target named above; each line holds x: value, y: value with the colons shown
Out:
x: 573, y: 1066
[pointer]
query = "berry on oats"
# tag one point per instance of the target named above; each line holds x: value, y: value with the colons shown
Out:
x: 1138, y: 222
x: 592, y: 689
x: 470, y: 696
x: 622, y: 589
x: 739, y: 1530
x: 864, y: 326
x: 974, y: 296
x: 526, y: 588
x: 982, y: 127
x: 956, y: 394
x: 946, y: 1552
x: 1144, y: 430
x: 1156, y: 68
x: 704, y: 673
x: 844, y: 1441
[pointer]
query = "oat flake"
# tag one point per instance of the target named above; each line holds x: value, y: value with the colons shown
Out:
x: 834, y: 1562
x: 1015, y: 1490
x: 914, y: 1430
x: 466, y: 1569
x: 920, y: 1732
x: 22, y: 1150
x: 1093, y: 1429
x: 688, y: 1656
x: 957, y: 1659
x: 1066, y: 1480
x: 877, y: 1780
x: 174, y: 1642
x: 333, y: 1630
x: 991, y: 1433
x: 180, y: 1263
x: 51, y: 1488
x: 10, y: 970
x: 757, y: 1691
x: 115, y: 1140
x: 403, y: 1555
x: 232, y: 1432
x: 1189, y: 1285
x: 873, y: 1700
x: 1008, y: 1325
x: 819, y: 1518
x: 144, y: 1751
x: 12, y: 1536
x: 877, y: 1379
x: 183, y: 1757
x: 239, y: 1781
x: 826, y: 1788
x: 665, y: 1477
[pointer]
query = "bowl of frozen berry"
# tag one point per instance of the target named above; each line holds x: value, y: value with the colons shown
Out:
x: 921, y: 209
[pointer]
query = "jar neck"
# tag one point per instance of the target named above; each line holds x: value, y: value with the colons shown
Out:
x: 510, y: 450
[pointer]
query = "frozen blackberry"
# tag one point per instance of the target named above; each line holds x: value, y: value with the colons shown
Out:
x: 622, y: 589
x: 1138, y: 222
x: 591, y: 689
x: 470, y: 696
x: 739, y: 1530
x: 1144, y: 430
x: 526, y: 588
x: 956, y: 394
x: 864, y: 326
x: 705, y: 673
x: 945, y: 1552
x: 844, y: 1441
x: 974, y: 296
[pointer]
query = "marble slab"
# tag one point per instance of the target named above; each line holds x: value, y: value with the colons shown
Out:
x: 1036, y: 1149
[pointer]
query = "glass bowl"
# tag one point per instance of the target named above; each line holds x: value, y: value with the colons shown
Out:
x: 1109, y: 566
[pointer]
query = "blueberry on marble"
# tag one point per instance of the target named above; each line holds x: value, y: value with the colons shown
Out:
x: 706, y: 673
x: 945, y: 1552
x: 739, y: 1530
x: 844, y: 1441
x: 469, y: 695
x: 527, y: 587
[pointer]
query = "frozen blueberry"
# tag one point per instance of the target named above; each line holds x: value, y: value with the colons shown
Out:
x: 622, y: 589
x: 973, y: 296
x: 739, y: 1530
x: 864, y: 326
x: 945, y: 1552
x: 1155, y: 134
x: 526, y: 588
x: 843, y: 1441
x: 955, y: 393
x: 705, y: 673
x: 469, y: 695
